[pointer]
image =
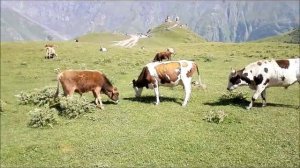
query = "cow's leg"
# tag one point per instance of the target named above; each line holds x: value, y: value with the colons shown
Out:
x: 156, y: 91
x: 259, y: 90
x: 98, y: 98
x: 187, y: 89
x: 100, y: 101
x: 263, y: 96
x: 68, y: 92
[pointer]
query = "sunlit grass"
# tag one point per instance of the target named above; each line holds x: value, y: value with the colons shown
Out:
x: 136, y: 133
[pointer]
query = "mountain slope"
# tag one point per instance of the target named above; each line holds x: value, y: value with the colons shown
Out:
x: 15, y: 27
x: 289, y: 37
x: 228, y: 21
x: 169, y: 34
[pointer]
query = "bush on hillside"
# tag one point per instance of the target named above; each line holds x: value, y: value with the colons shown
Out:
x: 70, y: 107
x: 42, y: 118
x: 39, y: 97
x: 73, y: 107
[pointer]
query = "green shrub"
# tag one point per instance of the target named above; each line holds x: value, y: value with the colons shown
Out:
x: 207, y: 57
x: 215, y: 116
x: 42, y: 118
x: 72, y: 107
x: 38, y: 97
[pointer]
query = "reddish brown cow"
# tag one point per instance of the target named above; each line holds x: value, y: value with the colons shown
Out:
x: 85, y: 81
x: 49, y: 45
x: 162, y: 55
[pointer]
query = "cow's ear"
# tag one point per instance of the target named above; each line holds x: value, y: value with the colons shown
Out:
x: 233, y: 71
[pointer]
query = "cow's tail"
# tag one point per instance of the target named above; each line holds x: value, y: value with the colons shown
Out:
x: 57, y: 89
x: 202, y: 85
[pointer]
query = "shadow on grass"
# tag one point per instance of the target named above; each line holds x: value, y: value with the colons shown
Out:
x: 152, y: 99
x: 229, y: 101
x: 105, y: 102
x: 259, y: 104
x: 243, y: 103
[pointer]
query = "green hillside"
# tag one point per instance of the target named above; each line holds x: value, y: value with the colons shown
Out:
x: 289, y: 37
x: 164, y: 36
x: 137, y: 133
x: 105, y: 38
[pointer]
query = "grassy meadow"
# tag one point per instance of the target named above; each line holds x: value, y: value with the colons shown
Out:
x: 136, y: 133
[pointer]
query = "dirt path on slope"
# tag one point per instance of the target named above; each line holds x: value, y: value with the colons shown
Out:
x: 128, y: 43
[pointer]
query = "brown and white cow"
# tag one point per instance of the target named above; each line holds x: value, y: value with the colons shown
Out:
x: 263, y: 74
x: 169, y: 73
x: 50, y: 51
x: 82, y: 81
x: 164, y: 55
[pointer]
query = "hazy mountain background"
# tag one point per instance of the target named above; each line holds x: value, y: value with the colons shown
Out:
x: 228, y: 21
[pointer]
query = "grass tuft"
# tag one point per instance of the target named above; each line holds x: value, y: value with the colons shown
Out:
x: 215, y: 116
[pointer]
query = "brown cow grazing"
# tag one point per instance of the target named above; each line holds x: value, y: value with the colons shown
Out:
x: 88, y: 80
x: 164, y: 55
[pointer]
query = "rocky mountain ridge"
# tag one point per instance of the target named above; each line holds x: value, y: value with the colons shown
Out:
x: 227, y: 21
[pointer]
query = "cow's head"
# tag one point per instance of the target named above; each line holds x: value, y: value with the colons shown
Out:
x: 138, y: 90
x: 171, y: 50
x: 236, y: 79
x: 114, y: 94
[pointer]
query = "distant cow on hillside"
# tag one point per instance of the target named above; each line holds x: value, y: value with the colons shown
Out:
x: 49, y: 45
x: 164, y: 55
x: 102, y: 49
x: 85, y: 81
x: 50, y: 51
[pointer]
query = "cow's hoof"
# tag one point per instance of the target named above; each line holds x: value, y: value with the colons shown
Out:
x: 155, y: 103
x: 264, y: 105
x: 184, y: 105
x: 100, y: 107
x: 248, y: 108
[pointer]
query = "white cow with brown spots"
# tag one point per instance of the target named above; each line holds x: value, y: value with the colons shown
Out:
x: 169, y: 73
x: 263, y: 74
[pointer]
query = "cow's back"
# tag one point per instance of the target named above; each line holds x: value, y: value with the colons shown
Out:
x: 187, y: 68
x: 168, y: 72
x: 81, y: 80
